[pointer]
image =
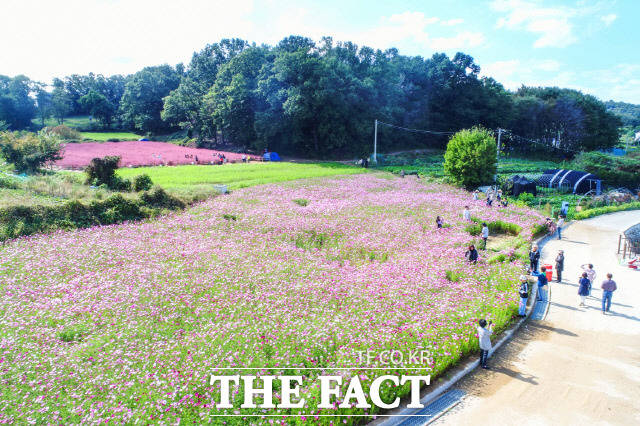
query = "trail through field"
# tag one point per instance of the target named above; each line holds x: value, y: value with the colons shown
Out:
x: 578, y: 366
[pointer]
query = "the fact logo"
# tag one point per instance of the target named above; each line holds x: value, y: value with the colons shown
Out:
x: 330, y: 391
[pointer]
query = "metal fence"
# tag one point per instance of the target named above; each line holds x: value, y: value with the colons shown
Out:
x: 627, y: 247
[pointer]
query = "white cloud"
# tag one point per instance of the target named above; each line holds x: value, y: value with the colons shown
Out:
x: 552, y: 25
x: 608, y: 19
x: 116, y: 36
x: 460, y: 40
x: 452, y: 22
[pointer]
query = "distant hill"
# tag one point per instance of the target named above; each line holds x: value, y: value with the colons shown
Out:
x: 628, y: 113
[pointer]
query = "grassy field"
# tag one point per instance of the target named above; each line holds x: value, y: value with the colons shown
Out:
x: 237, y: 175
x: 430, y: 163
x: 105, y: 136
x: 81, y: 121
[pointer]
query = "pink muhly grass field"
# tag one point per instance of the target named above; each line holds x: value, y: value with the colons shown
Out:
x: 139, y: 153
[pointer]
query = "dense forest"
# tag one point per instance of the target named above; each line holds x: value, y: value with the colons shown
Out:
x: 316, y: 99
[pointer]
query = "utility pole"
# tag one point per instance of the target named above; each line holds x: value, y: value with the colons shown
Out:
x: 375, y: 142
x: 495, y: 179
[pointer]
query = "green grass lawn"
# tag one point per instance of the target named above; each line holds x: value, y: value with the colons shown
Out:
x: 77, y: 121
x: 237, y: 175
x: 105, y: 136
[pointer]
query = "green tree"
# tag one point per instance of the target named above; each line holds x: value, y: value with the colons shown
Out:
x: 29, y: 151
x: 470, y: 158
x: 143, y: 97
x: 17, y: 106
x: 61, y: 104
x: 99, y: 106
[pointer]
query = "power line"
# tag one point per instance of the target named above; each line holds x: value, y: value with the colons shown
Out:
x: 432, y: 132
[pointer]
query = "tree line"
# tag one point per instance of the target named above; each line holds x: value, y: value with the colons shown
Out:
x: 315, y: 99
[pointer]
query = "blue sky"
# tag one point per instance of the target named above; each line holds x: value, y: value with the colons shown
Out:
x: 590, y: 45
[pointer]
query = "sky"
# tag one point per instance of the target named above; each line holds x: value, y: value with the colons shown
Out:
x: 589, y: 45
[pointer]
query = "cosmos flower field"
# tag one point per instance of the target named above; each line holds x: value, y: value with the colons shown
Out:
x: 126, y: 323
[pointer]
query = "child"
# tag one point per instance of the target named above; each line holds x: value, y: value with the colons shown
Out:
x: 439, y: 222
x: 591, y: 275
x: 484, y: 337
x: 485, y: 234
x: 524, y: 295
x: 466, y: 214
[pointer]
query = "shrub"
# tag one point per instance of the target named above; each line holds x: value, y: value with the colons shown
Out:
x: 26, y: 220
x: 500, y: 227
x: 470, y: 159
x: 29, y: 151
x: 539, y: 230
x: 64, y: 132
x: 159, y: 198
x: 301, y: 202
x: 586, y: 214
x: 142, y: 183
x: 102, y: 171
x: 474, y: 229
x: 453, y: 276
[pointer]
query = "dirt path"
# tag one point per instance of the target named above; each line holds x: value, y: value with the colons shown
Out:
x: 577, y: 366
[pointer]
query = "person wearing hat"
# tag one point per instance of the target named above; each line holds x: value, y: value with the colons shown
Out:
x: 559, y: 264
x: 523, y: 291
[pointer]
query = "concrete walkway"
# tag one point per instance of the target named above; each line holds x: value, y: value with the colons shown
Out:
x: 578, y: 366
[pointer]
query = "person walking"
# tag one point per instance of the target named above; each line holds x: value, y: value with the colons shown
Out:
x: 523, y: 292
x: 472, y: 254
x: 534, y: 258
x: 484, y: 338
x: 466, y: 214
x: 591, y: 275
x: 608, y: 286
x: 583, y: 288
x: 485, y: 235
x: 542, y: 281
x: 559, y: 226
x: 439, y: 222
x: 559, y: 265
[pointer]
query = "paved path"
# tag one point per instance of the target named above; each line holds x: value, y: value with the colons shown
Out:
x: 578, y: 366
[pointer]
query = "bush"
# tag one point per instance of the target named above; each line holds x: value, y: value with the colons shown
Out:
x: 26, y: 220
x: 613, y: 170
x: 142, y: 183
x: 29, y: 151
x: 302, y: 202
x: 64, y: 132
x: 586, y: 214
x: 160, y: 199
x: 102, y: 171
x: 470, y: 159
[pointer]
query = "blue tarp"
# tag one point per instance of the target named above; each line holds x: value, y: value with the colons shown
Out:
x: 271, y: 156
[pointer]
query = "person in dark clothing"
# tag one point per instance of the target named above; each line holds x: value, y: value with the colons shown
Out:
x: 559, y: 265
x: 583, y: 288
x: 472, y: 254
x: 439, y: 222
x: 534, y: 258
x: 542, y: 281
